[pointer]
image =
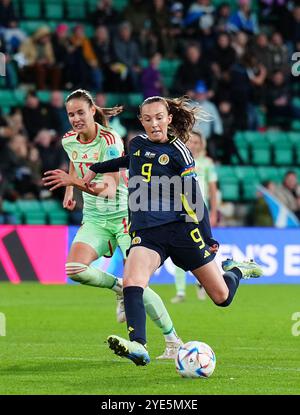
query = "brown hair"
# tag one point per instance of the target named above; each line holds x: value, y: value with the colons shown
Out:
x: 184, y: 116
x: 102, y: 114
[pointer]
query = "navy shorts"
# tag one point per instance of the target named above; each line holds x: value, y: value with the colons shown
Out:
x: 181, y: 241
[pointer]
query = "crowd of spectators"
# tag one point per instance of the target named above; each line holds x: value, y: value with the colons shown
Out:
x: 233, y: 61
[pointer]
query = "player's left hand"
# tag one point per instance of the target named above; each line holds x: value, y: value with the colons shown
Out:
x: 57, y: 178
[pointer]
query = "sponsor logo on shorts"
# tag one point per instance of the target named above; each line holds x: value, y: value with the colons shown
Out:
x: 206, y: 254
x: 74, y: 155
x: 164, y: 159
x: 137, y: 240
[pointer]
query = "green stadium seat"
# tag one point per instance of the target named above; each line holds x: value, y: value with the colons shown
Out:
x: 116, y: 99
x: 249, y: 190
x: 226, y: 174
x: 32, y: 211
x: 283, y: 153
x: 134, y: 100
x: 295, y: 125
x: 8, y: 98
x: 44, y: 96
x: 31, y: 9
x: 230, y: 191
x: 276, y: 136
x: 75, y: 9
x: 30, y: 26
x: 35, y: 218
x: 12, y: 209
x: 92, y: 5
x: 54, y: 9
x: 58, y: 218
x: 246, y: 173
x: 268, y: 173
x: 120, y: 5
x: 242, y: 148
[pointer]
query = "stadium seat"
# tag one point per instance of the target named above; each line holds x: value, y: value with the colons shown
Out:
x: 32, y: 211
x: 283, y: 153
x: 268, y: 173
x: 12, y: 209
x: 120, y: 4
x: 230, y: 191
x: 242, y: 148
x: 296, y: 125
x: 54, y: 9
x: 58, y: 218
x: 249, y: 190
x: 44, y: 96
x: 55, y: 212
x: 246, y: 173
x: 30, y: 26
x: 226, y: 174
x: 275, y: 136
x: 75, y: 9
x: 31, y: 9
x: 134, y: 100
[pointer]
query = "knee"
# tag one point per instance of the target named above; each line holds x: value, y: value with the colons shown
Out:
x: 222, y: 298
x: 75, y: 271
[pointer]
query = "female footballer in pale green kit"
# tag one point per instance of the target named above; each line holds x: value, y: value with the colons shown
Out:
x: 207, y: 177
x: 105, y: 211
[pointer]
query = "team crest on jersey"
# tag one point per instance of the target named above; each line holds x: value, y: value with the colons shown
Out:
x: 164, y: 159
x: 137, y: 240
x: 74, y: 155
x: 95, y: 156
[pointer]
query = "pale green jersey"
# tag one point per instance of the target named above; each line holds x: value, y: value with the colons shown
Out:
x: 206, y: 172
x: 106, y: 145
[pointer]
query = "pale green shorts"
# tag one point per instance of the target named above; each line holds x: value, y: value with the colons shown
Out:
x: 104, y: 238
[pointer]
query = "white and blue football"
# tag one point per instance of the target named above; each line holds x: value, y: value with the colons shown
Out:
x: 195, y: 360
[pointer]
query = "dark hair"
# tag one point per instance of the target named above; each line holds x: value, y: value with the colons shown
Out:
x: 102, y: 114
x: 184, y: 116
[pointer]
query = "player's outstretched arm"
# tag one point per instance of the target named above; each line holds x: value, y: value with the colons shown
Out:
x: 59, y: 178
x: 110, y: 166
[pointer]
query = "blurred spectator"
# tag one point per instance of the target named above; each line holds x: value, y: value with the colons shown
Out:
x: 294, y: 26
x: 63, y: 50
x: 8, y: 17
x: 35, y: 115
x: 103, y: 50
x: 278, y: 101
x: 193, y: 68
x: 260, y: 49
x: 105, y: 15
x: 17, y: 168
x: 222, y: 146
x: 114, y: 122
x: 222, y: 57
x: 259, y: 214
x: 40, y: 65
x: 58, y: 113
x: 126, y: 58
x: 15, y: 121
x: 6, y: 132
x: 137, y: 13
x: 279, y: 54
x: 50, y: 151
x: 244, y: 19
x: 212, y: 127
x: 151, y: 79
x: 201, y: 15
x: 289, y: 192
x: 87, y: 74
x: 160, y: 25
x: 247, y: 77
x: 239, y: 43
x: 222, y: 17
x: 176, y: 29
x: 200, y: 21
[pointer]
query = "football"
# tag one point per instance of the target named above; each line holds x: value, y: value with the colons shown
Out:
x: 195, y: 360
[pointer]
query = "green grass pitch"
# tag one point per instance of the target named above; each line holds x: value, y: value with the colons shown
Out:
x: 55, y: 343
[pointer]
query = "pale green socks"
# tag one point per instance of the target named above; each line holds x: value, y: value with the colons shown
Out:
x: 180, y: 281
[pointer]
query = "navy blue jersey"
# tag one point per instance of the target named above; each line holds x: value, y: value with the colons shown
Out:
x: 163, y: 185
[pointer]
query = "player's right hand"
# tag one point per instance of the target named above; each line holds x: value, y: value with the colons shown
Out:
x: 88, y: 177
x: 69, y: 203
